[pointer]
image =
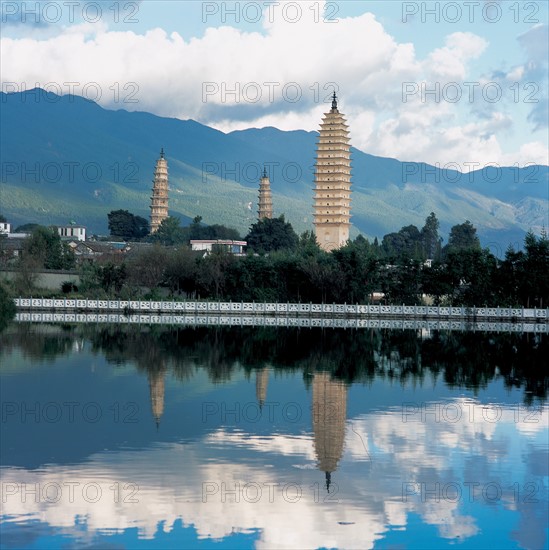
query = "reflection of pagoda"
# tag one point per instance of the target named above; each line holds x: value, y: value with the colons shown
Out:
x: 329, y: 415
x: 261, y: 381
x: 156, y: 388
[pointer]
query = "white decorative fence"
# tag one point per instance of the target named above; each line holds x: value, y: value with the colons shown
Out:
x: 131, y: 307
x: 283, y: 321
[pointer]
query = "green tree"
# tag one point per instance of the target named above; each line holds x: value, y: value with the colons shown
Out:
x: 535, y: 283
x: 463, y: 237
x: 357, y: 265
x: 148, y: 267
x: 401, y: 283
x: 510, y: 277
x: 407, y: 243
x: 46, y: 247
x: 212, y: 270
x: 26, y: 275
x: 430, y: 237
x: 471, y: 272
x: 308, y: 245
x: 126, y: 225
x: 200, y: 231
x: 89, y: 275
x: 181, y: 272
x: 170, y: 232
x: 7, y: 307
x: 436, y: 282
x: 323, y: 275
x: 112, y: 277
x: 267, y: 235
x: 26, y: 228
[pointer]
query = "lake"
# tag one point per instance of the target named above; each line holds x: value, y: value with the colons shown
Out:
x: 140, y: 436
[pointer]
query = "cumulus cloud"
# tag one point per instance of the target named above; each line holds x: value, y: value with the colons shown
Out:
x: 281, y: 75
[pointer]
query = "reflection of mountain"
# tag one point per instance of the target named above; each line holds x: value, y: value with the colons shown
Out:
x: 329, y: 413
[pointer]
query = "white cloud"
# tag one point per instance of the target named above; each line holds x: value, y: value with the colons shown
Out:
x: 356, y: 54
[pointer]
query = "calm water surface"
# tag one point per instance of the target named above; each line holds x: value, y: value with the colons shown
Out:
x: 151, y: 437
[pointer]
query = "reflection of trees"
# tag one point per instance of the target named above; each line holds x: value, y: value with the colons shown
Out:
x: 464, y: 359
x: 39, y: 343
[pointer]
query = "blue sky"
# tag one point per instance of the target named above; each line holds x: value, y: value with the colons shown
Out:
x: 234, y: 65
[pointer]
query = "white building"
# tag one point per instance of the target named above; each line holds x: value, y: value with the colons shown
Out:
x: 77, y: 232
x: 5, y: 227
x: 234, y: 247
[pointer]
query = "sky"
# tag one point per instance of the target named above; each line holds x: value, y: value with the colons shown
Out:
x: 456, y: 84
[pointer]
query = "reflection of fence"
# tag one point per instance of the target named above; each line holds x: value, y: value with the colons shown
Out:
x: 252, y: 308
x: 283, y: 321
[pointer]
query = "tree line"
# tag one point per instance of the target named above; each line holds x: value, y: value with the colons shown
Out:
x: 281, y: 266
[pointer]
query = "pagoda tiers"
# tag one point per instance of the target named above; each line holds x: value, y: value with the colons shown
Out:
x: 329, y: 415
x: 157, y: 389
x: 332, y: 193
x: 265, y: 197
x: 261, y: 382
x: 159, y: 199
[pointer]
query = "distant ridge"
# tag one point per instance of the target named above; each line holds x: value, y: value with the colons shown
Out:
x: 66, y: 157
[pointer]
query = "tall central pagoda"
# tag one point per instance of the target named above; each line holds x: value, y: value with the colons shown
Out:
x: 332, y: 193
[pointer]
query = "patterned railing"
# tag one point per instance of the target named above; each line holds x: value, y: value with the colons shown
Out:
x: 252, y: 308
x: 283, y: 321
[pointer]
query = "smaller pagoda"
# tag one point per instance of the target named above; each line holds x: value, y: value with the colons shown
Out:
x: 265, y: 197
x: 159, y: 199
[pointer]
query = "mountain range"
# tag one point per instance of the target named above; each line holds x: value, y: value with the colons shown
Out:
x: 65, y: 158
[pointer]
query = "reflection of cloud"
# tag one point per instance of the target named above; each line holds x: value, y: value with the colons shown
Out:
x: 423, y: 450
